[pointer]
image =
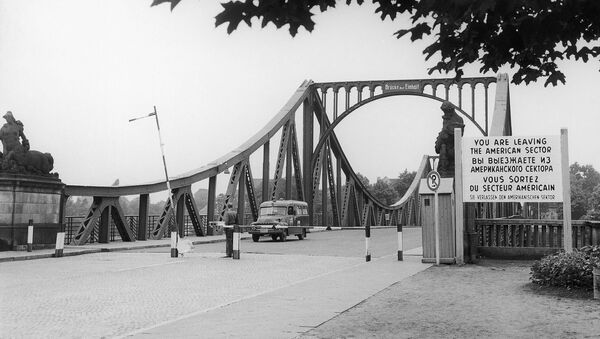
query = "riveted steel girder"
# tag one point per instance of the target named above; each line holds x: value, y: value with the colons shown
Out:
x: 103, y: 207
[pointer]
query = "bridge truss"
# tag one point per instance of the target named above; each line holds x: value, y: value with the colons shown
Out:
x: 344, y: 200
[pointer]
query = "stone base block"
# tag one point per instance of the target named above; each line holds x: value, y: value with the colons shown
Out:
x: 24, y: 198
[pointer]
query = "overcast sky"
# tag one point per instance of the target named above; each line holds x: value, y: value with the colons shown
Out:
x: 75, y: 71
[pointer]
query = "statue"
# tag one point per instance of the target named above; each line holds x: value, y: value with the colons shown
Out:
x: 444, y: 144
x: 16, y: 156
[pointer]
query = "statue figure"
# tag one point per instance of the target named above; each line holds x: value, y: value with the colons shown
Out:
x: 444, y: 144
x: 10, y: 134
x: 16, y: 155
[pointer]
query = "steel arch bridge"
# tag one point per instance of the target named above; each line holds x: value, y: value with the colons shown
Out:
x: 351, y: 203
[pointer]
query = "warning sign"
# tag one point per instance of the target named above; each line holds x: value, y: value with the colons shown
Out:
x: 512, y: 169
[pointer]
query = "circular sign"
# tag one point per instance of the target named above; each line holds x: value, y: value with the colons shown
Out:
x: 433, y: 180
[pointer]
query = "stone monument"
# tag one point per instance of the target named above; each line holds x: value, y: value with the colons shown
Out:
x: 28, y: 191
x: 444, y: 144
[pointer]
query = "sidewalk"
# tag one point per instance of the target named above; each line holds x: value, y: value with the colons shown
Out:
x: 110, y: 247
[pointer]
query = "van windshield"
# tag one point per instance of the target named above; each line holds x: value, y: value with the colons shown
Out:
x: 273, y: 210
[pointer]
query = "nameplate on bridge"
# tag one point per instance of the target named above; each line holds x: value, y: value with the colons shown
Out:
x: 401, y: 86
x: 512, y: 169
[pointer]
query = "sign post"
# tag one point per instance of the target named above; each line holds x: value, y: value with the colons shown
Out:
x: 433, y: 182
x: 566, y: 180
x: 459, y: 221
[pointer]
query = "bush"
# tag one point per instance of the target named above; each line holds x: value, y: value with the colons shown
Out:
x: 570, y: 270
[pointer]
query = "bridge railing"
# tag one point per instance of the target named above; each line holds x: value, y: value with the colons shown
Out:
x: 73, y: 223
x: 530, y: 238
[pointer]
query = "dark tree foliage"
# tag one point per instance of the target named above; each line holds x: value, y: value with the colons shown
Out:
x: 528, y: 35
x: 585, y: 191
x: 384, y: 192
x: 402, y: 184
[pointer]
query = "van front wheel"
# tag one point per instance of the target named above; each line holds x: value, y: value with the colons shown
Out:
x: 255, y: 237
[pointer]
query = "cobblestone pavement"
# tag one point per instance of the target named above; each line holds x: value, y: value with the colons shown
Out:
x: 118, y: 293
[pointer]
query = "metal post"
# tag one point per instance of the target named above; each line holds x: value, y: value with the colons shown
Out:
x: 236, y: 241
x: 399, y: 229
x: 367, y: 238
x: 436, y: 214
x: 174, y: 253
x: 30, y: 236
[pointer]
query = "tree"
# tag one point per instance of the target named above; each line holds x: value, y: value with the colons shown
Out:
x: 585, y: 181
x: 403, y: 183
x: 530, y: 35
x: 383, y: 191
x: 364, y: 180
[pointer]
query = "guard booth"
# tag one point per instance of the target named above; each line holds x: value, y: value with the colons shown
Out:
x: 446, y: 221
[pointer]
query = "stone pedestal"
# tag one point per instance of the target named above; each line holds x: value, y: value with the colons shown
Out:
x: 25, y: 197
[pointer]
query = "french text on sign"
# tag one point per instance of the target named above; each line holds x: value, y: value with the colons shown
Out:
x: 512, y: 169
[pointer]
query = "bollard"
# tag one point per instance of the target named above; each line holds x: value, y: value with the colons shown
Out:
x: 60, y: 244
x: 174, y: 252
x: 236, y: 241
x: 30, y: 236
x: 399, y: 228
x: 367, y: 237
x: 596, y: 282
x: 228, y: 240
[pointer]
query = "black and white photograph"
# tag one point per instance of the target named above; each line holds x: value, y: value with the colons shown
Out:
x: 306, y: 169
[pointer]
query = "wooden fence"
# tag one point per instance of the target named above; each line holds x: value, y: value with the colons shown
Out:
x: 530, y: 238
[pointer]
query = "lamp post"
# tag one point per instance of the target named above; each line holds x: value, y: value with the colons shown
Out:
x: 174, y: 235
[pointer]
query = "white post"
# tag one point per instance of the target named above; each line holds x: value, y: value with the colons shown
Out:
x: 399, y: 229
x: 174, y: 253
x: 566, y: 179
x: 30, y: 236
x: 367, y: 245
x: 60, y: 244
x: 458, y: 194
x: 236, y: 241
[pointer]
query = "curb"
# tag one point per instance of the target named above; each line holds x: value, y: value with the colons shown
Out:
x: 104, y: 249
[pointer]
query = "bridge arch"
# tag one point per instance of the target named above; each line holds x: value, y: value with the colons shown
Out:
x: 325, y: 136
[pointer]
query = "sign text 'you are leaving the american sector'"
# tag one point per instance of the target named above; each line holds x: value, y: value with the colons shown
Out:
x: 512, y: 169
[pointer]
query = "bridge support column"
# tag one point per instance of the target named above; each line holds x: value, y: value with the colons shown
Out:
x: 307, y: 149
x: 179, y: 215
x: 241, y: 197
x: 288, y: 164
x: 265, y: 175
x: 142, y: 228
x: 210, y: 208
x: 104, y: 227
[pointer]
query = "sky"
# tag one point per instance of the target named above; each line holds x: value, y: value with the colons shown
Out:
x: 74, y: 72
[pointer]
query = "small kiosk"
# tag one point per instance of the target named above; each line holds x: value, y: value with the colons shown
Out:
x: 445, y: 198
